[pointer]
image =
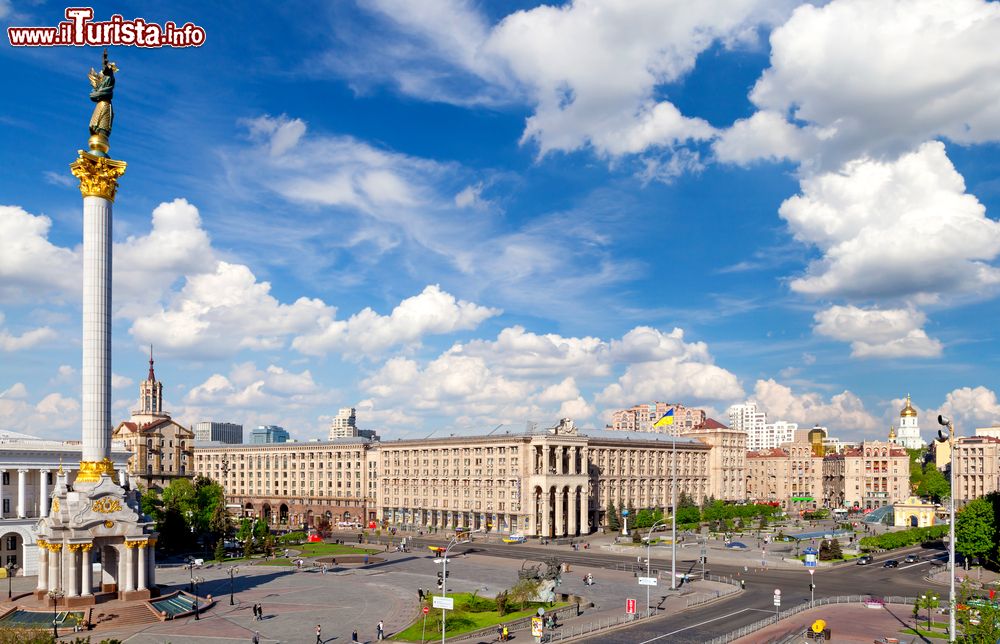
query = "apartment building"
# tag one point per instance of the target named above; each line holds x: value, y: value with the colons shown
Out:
x: 868, y: 477
x: 641, y: 418
x: 791, y: 475
x: 976, y: 460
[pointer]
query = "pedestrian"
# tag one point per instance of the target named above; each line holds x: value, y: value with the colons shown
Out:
x: 381, y: 630
x: 500, y: 632
x: 506, y: 633
x: 256, y: 638
x: 354, y: 635
x: 319, y: 634
x: 420, y: 594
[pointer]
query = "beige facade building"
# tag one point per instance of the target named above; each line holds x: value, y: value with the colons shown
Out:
x: 641, y: 418
x: 294, y: 484
x: 553, y: 482
x: 162, y: 449
x: 976, y: 460
x: 727, y: 460
x: 868, y: 477
x: 791, y: 475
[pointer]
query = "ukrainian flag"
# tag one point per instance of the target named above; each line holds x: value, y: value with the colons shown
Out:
x: 668, y: 419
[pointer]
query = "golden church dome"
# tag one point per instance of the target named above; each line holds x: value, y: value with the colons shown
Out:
x: 908, y: 411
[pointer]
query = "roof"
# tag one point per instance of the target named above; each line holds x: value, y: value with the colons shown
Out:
x: 774, y: 452
x: 711, y: 423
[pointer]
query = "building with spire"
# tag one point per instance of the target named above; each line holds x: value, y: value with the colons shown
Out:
x: 908, y: 433
x: 162, y: 449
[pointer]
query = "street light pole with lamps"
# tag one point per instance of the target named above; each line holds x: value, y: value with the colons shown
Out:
x: 11, y: 571
x: 196, y: 581
x: 444, y: 574
x: 649, y: 540
x: 232, y: 571
x: 55, y: 596
x: 673, y: 511
x: 945, y: 421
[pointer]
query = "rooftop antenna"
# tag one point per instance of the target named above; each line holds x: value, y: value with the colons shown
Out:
x: 495, y: 428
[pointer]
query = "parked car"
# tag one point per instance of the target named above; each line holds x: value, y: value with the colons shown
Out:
x: 911, y: 559
x: 738, y: 545
x: 864, y: 560
x: 891, y: 563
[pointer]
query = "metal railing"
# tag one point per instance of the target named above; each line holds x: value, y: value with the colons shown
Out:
x: 774, y: 619
x: 696, y: 599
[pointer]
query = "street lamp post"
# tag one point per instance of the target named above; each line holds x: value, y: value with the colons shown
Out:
x: 191, y: 574
x: 11, y: 571
x: 196, y: 581
x: 812, y: 588
x: 55, y: 596
x: 945, y: 421
x: 649, y: 540
x: 444, y: 574
x: 232, y: 571
x: 673, y: 512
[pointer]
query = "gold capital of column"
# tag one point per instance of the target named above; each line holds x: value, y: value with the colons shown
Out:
x: 98, y: 175
x: 90, y: 471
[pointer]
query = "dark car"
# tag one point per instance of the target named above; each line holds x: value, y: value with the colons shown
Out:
x: 911, y: 559
x: 737, y: 545
x: 864, y: 560
x: 891, y: 563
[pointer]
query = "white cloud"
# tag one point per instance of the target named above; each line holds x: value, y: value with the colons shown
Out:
x: 27, y: 340
x: 247, y: 387
x: 280, y: 134
x: 764, y: 135
x: 875, y: 333
x: 47, y: 418
x: 664, y: 367
x: 881, y: 76
x: 432, y: 312
x: 120, y: 382
x: 524, y: 354
x: 471, y: 197
x: 843, y: 411
x: 592, y: 68
x: 968, y: 407
x: 29, y: 263
x: 903, y: 228
x: 220, y: 313
x: 147, y: 266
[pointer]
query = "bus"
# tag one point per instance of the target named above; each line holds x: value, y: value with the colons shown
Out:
x: 840, y: 514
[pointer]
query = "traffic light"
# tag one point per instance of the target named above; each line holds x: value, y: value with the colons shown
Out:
x: 812, y: 586
x: 440, y: 580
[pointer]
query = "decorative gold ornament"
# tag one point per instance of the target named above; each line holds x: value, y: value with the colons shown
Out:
x: 54, y: 547
x: 141, y: 545
x: 107, y: 505
x: 85, y: 547
x: 42, y: 543
x: 109, y: 524
x: 55, y: 505
x: 98, y: 175
x: 90, y: 471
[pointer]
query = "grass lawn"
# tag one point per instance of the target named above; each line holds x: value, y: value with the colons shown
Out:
x: 462, y: 620
x: 934, y: 635
x: 320, y: 549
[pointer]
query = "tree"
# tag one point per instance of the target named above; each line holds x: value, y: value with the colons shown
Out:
x: 220, y: 550
x: 835, y: 551
x: 981, y: 622
x: 612, y: 518
x: 933, y: 485
x: 824, y: 551
x: 221, y: 523
x: 975, y: 529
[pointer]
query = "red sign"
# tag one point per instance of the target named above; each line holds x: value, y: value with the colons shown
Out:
x: 426, y: 610
x: 630, y: 606
x: 993, y: 593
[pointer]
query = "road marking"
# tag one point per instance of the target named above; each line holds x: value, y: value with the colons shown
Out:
x: 919, y: 563
x: 707, y: 621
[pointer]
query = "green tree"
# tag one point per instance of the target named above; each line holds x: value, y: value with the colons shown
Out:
x: 221, y: 523
x: 927, y: 601
x: 644, y: 518
x: 824, y: 551
x: 835, y: 551
x: 220, y: 550
x: 980, y: 624
x: 152, y: 505
x: 933, y: 484
x: 975, y: 529
x: 917, y: 457
x: 612, y: 518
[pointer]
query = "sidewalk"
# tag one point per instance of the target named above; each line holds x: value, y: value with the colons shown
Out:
x: 847, y: 623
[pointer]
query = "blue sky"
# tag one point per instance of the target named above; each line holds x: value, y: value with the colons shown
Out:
x: 455, y: 214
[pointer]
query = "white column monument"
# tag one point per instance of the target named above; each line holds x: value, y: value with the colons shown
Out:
x: 22, y: 491
x: 92, y: 511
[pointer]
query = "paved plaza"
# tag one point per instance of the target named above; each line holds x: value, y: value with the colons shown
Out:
x: 341, y: 600
x: 847, y: 623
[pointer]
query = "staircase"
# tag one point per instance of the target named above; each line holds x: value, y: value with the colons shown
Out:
x: 133, y: 615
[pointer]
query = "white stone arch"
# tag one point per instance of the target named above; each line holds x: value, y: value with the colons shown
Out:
x: 26, y: 551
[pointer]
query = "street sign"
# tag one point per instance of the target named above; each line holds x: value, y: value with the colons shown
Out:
x: 447, y: 603
x: 647, y: 581
x: 426, y: 610
x: 777, y: 597
x: 630, y: 606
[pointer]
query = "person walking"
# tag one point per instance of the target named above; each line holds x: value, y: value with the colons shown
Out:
x: 354, y: 635
x: 381, y: 630
x: 256, y: 638
x: 319, y: 634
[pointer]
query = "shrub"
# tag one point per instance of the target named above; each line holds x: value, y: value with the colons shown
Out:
x: 904, y: 538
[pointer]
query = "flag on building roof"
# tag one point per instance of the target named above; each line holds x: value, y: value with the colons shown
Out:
x: 668, y: 419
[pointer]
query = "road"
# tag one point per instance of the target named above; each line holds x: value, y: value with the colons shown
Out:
x: 702, y: 624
